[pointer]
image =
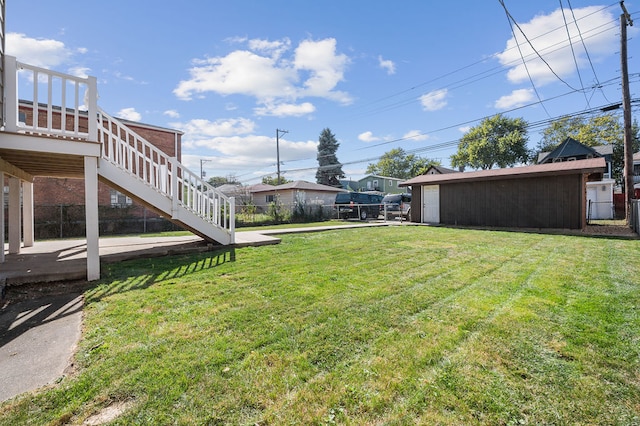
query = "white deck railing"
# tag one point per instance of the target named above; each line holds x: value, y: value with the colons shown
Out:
x: 57, y: 104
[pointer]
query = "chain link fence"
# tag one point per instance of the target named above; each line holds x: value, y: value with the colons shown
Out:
x: 68, y: 221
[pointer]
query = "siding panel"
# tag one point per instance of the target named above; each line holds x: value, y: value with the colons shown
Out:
x: 541, y: 202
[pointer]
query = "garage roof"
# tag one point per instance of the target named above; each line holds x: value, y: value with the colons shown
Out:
x: 593, y: 165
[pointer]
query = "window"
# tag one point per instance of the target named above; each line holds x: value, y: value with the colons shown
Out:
x: 118, y: 199
x: 375, y: 183
x: 270, y: 198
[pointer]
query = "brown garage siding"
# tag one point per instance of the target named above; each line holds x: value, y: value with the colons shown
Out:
x: 541, y: 202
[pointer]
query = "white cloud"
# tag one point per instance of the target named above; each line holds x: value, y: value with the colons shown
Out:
x: 326, y: 67
x: 367, y: 137
x: 516, y: 99
x: 45, y: 53
x: 387, y: 65
x: 548, y: 35
x: 314, y: 69
x: 435, y: 100
x: 464, y: 129
x: 285, y: 110
x: 129, y: 114
x: 274, y: 49
x: 240, y: 72
x: 416, y: 135
x: 172, y: 113
x: 82, y: 72
x: 198, y: 129
x: 233, y: 145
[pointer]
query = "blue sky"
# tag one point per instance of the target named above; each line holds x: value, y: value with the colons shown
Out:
x: 411, y: 74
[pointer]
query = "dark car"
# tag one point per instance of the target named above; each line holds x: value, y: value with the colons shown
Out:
x: 361, y: 205
x: 396, y: 205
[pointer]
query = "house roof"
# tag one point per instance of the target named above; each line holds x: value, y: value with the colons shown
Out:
x: 439, y: 170
x: 592, y: 165
x: 230, y: 188
x: 636, y: 156
x: 302, y: 185
x: 571, y: 148
x: 259, y: 187
x: 378, y: 177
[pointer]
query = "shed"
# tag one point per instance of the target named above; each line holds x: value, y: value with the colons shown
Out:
x: 549, y: 195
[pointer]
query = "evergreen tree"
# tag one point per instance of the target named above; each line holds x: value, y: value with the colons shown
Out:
x: 329, y: 169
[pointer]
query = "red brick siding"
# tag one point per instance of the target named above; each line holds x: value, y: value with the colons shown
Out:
x: 69, y: 191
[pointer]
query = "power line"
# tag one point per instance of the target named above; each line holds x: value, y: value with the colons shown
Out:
x: 586, y: 51
x: 524, y: 63
x: 531, y: 45
x: 573, y: 53
x: 452, y: 143
x: 612, y: 25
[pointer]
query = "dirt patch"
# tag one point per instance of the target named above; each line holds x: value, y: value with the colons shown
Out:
x: 108, y: 414
x: 621, y: 231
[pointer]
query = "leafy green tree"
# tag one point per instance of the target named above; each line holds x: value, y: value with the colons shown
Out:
x: 273, y: 180
x: 605, y: 129
x: 496, y: 141
x: 398, y: 164
x: 329, y: 169
x: 216, y: 181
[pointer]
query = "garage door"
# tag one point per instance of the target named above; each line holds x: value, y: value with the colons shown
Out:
x: 431, y: 204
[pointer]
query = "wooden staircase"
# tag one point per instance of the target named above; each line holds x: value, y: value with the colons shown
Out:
x: 137, y: 168
x: 63, y: 110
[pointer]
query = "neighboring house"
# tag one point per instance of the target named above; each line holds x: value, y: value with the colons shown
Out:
x: 551, y: 195
x: 350, y: 185
x: 292, y: 193
x: 383, y: 184
x: 439, y: 170
x: 572, y: 150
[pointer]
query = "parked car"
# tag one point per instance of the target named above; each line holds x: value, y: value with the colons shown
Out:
x: 396, y: 205
x: 361, y: 205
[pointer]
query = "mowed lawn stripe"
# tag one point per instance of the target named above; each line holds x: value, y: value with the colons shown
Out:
x: 420, y: 341
x: 402, y: 325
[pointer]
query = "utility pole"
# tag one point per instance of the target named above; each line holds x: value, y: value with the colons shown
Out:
x: 625, y: 19
x: 278, y: 131
x: 202, y: 172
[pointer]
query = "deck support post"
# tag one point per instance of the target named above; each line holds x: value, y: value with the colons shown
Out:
x: 27, y: 214
x: 91, y: 214
x: 14, y: 216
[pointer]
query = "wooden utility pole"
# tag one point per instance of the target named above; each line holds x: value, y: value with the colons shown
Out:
x: 625, y: 19
x: 278, y: 131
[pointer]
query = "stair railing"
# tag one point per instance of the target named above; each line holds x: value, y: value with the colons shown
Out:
x: 129, y: 151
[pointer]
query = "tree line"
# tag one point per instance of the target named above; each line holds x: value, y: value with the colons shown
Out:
x: 497, y: 141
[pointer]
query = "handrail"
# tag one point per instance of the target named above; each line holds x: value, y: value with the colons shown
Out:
x: 129, y: 151
x: 59, y: 103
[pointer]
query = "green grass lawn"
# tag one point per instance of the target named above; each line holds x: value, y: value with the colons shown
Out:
x: 391, y: 325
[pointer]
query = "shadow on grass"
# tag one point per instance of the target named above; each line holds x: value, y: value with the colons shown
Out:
x: 143, y: 273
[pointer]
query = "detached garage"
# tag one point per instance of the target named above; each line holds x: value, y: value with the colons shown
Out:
x: 550, y: 195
